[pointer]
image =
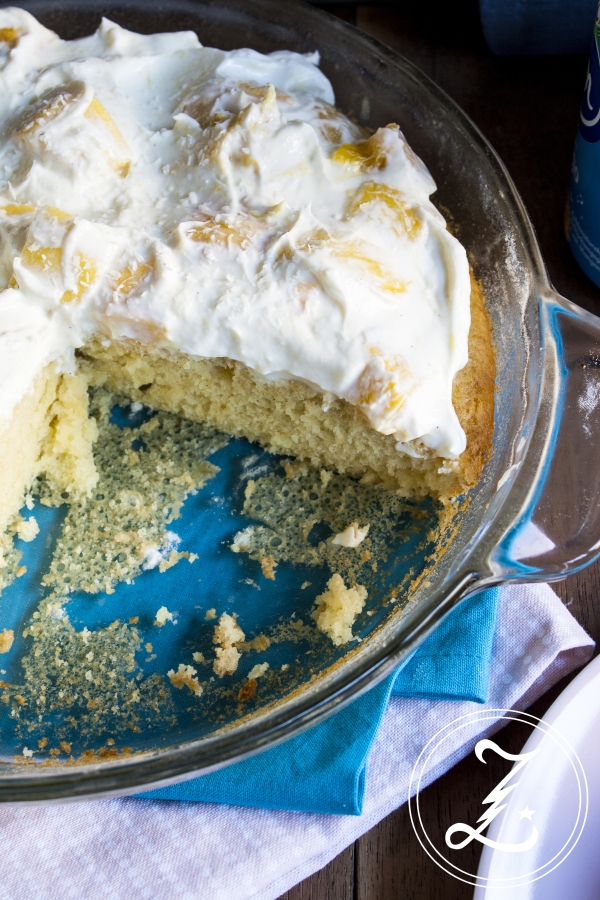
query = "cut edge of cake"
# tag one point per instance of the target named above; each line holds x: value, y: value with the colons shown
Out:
x: 50, y: 432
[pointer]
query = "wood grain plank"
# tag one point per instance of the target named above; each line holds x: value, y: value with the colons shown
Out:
x: 401, y: 28
x: 334, y: 882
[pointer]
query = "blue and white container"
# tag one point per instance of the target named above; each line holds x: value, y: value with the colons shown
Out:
x: 583, y: 209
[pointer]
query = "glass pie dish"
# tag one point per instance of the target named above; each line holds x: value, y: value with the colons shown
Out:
x: 533, y: 516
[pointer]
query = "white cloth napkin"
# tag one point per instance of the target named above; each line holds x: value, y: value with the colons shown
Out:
x: 156, y: 850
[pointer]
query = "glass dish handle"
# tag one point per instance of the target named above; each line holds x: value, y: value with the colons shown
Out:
x: 558, y: 530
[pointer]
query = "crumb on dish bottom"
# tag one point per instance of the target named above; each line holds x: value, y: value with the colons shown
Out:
x: 337, y: 609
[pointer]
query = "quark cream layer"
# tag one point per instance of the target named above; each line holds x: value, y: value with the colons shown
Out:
x: 216, y: 203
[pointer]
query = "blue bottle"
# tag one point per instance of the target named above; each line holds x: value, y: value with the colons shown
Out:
x: 583, y: 208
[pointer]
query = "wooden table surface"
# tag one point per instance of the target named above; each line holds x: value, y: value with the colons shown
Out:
x: 527, y: 107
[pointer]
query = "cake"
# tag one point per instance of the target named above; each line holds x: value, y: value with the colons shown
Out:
x: 204, y: 232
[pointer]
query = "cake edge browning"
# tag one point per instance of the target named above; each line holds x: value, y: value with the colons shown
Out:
x: 473, y: 389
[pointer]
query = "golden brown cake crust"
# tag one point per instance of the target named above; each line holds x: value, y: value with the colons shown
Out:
x: 473, y: 388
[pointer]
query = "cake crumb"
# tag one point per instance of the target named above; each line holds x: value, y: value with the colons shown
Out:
x: 27, y: 752
x: 198, y: 657
x: 352, y: 536
x: 6, y: 640
x: 285, y: 667
x: 294, y: 468
x: 250, y: 488
x: 260, y: 642
x: 337, y: 609
x: 210, y: 614
x: 150, y: 425
x: 20, y: 571
x: 325, y: 477
x: 185, y: 675
x: 247, y: 691
x: 241, y: 541
x: 173, y: 559
x: 305, y: 584
x: 227, y: 634
x: 28, y: 529
x: 163, y: 616
x: 65, y: 746
x: 268, y: 564
x: 258, y: 671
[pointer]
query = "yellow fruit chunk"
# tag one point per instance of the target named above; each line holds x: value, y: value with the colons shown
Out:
x: 43, y: 259
x: 260, y: 91
x: 59, y: 214
x: 376, y: 390
x: 49, y: 106
x: 366, y: 156
x: 375, y: 385
x: 16, y: 209
x: 86, y: 273
x: 48, y: 260
x: 404, y: 215
x: 98, y: 113
x: 212, y: 232
x: 355, y: 251
x: 130, y: 278
x: 9, y: 35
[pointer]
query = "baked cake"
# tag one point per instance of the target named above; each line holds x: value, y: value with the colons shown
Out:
x: 204, y: 232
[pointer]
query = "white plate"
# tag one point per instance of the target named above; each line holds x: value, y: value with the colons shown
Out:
x: 552, y: 785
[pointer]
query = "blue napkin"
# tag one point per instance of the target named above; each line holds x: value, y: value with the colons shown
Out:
x: 538, y: 26
x: 324, y: 769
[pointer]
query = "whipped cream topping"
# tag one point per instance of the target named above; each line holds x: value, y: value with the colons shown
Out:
x: 216, y: 203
